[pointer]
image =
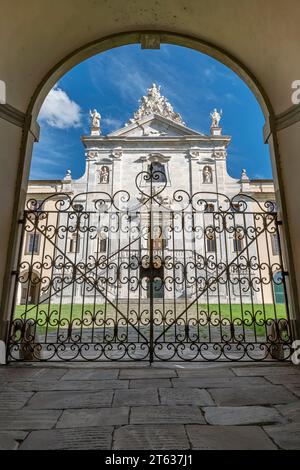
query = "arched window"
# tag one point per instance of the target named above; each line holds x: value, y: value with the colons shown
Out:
x: 158, y: 172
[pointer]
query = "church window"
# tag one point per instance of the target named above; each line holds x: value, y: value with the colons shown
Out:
x: 74, y: 246
x: 158, y: 172
x: 237, y: 243
x: 36, y: 205
x: 33, y: 244
x: 275, y: 244
x: 78, y: 207
x: 102, y: 245
x: 210, y: 242
x: 236, y: 206
x: 210, y: 207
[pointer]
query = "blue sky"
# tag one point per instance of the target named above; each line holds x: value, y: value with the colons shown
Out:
x: 113, y: 82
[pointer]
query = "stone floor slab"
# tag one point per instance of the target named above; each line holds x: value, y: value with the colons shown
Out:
x: 147, y: 373
x: 61, y: 385
x: 295, y: 389
x: 205, y: 372
x: 91, y: 374
x: 62, y: 400
x: 217, y: 382
x: 242, y: 415
x: 14, y: 400
x: 291, y: 411
x: 17, y: 373
x: 95, y: 438
x: 25, y: 373
x: 85, y: 418
x: 185, y: 396
x: 270, y: 370
x: 27, y: 419
x: 158, y: 437
x: 286, y: 437
x: 228, y: 438
x: 50, y: 373
x: 252, y: 395
x: 150, y: 383
x: 136, y: 397
x: 166, y: 414
x: 284, y: 379
x: 10, y: 440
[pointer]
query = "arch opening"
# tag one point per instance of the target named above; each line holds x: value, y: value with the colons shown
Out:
x: 130, y: 38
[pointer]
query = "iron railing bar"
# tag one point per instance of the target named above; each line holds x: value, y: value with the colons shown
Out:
x: 210, y: 284
x: 75, y: 280
x: 87, y: 280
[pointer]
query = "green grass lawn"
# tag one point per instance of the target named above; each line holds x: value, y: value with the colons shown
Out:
x: 77, y: 312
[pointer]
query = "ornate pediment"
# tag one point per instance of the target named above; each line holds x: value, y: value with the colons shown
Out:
x: 154, y: 126
x: 155, y: 103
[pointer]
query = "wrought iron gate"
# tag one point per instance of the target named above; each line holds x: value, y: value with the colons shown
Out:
x: 150, y: 275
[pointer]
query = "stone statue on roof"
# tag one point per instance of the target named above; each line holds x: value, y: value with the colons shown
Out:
x: 155, y: 103
x: 95, y: 122
x: 215, y: 117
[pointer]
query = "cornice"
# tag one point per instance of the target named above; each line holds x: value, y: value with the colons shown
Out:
x: 12, y: 115
x: 289, y: 117
x: 281, y: 121
x: 18, y: 118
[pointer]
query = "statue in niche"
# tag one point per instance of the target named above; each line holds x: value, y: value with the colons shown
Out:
x: 215, y: 118
x: 207, y: 174
x: 104, y: 175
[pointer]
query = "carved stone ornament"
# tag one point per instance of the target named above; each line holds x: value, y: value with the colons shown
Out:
x: 194, y: 154
x: 150, y: 41
x: 68, y: 177
x: 155, y: 103
x: 91, y: 155
x: 220, y: 153
x: 117, y: 152
x: 244, y: 176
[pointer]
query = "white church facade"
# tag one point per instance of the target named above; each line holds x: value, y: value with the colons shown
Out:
x: 154, y: 172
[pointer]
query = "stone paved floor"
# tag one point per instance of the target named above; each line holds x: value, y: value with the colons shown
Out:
x: 134, y: 406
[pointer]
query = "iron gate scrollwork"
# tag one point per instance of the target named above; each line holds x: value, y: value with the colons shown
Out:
x: 150, y: 275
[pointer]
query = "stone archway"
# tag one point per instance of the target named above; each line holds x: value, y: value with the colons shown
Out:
x: 30, y: 131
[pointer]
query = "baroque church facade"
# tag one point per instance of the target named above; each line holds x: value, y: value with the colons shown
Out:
x: 156, y: 160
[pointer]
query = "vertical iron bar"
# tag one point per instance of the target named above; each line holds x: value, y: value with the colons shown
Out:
x: 284, y: 273
x: 151, y: 268
x: 16, y: 272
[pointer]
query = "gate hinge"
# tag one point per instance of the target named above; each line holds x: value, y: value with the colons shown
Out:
x: 279, y: 222
x: 21, y: 221
x: 285, y: 273
x: 15, y: 273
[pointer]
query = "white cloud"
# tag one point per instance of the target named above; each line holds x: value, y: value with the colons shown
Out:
x: 49, y: 160
x: 112, y: 123
x: 59, y: 110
